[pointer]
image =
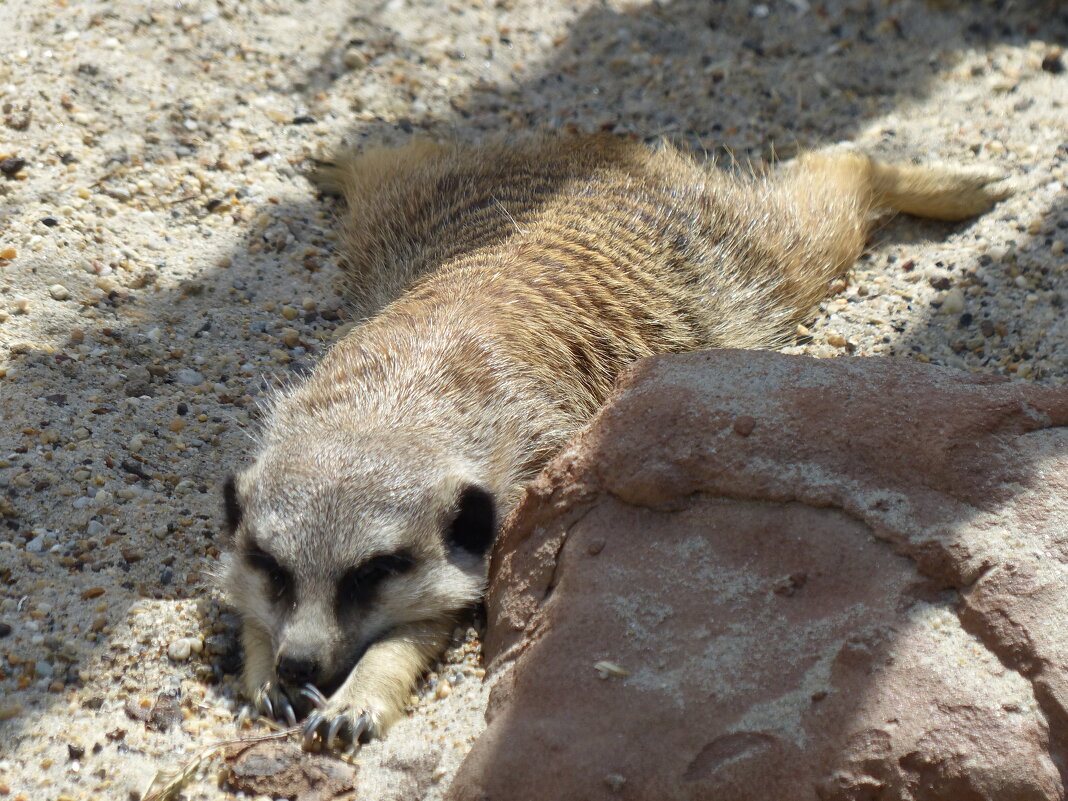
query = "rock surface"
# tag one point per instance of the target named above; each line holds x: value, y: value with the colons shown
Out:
x: 759, y: 576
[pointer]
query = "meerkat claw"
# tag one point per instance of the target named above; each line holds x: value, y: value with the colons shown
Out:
x: 360, y: 729
x: 314, y: 695
x: 262, y: 701
x: 286, y: 710
x: 312, y: 739
x: 339, y: 733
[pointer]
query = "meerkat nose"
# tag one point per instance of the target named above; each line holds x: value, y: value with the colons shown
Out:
x: 297, y: 670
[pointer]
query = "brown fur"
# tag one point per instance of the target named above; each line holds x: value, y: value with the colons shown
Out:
x: 504, y: 288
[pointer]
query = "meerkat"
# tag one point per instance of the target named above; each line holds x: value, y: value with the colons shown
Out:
x: 502, y: 290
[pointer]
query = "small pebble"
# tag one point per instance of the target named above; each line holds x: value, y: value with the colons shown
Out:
x: 1053, y: 63
x: 179, y: 650
x: 953, y: 302
x: 444, y: 689
x: 58, y: 292
x: 11, y: 166
x: 353, y: 59
x: 189, y: 377
x: 289, y: 313
x: 10, y: 711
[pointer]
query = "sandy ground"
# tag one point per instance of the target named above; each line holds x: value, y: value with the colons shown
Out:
x: 164, y: 262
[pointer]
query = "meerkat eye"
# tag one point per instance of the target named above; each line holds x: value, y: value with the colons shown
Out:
x: 280, y: 579
x: 360, y: 583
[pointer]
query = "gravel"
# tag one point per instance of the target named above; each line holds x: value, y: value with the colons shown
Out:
x: 160, y: 245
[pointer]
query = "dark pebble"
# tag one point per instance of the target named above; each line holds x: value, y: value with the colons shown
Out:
x: 941, y: 282
x: 166, y: 576
x: 303, y: 119
x: 51, y: 222
x: 965, y: 320
x: 11, y: 165
x: 5, y: 629
x: 1053, y: 63
x: 135, y: 389
x: 183, y: 409
x: 75, y: 751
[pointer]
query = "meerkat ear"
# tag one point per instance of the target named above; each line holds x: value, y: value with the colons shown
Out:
x: 231, y: 505
x: 474, y: 525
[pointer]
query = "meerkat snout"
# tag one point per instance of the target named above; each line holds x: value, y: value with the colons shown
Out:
x: 297, y: 670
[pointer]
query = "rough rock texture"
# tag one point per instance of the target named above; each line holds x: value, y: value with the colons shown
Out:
x: 758, y: 576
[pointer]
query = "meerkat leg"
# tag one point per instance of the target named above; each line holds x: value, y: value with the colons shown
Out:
x: 258, y: 676
x: 936, y: 191
x: 357, y: 174
x: 939, y: 192
x: 374, y: 694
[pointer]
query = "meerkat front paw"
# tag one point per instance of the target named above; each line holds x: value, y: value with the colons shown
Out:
x: 273, y: 701
x: 340, y: 728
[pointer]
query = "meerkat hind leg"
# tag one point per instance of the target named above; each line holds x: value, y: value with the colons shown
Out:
x: 937, y: 191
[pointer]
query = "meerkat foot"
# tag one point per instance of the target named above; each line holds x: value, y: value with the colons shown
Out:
x: 338, y: 733
x: 272, y: 701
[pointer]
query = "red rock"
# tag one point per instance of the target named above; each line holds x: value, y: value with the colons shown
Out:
x: 821, y: 579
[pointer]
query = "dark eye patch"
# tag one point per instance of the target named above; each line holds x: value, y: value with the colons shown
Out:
x: 231, y: 505
x: 280, y: 579
x: 359, y: 585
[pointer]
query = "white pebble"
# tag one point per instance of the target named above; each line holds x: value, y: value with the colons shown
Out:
x: 953, y: 303
x: 179, y: 650
x: 189, y: 377
x: 58, y: 292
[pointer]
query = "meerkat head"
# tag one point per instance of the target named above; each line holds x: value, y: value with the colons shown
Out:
x: 337, y: 538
